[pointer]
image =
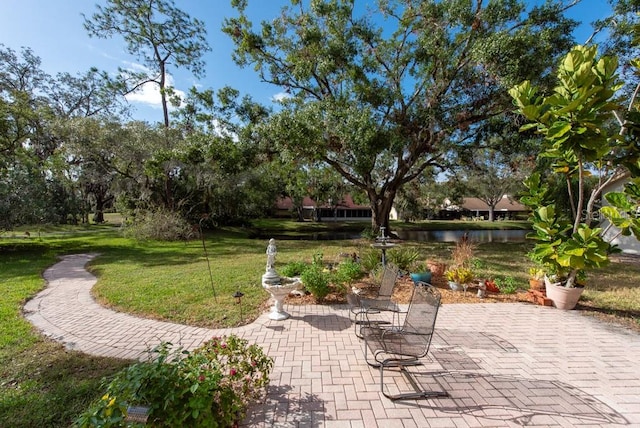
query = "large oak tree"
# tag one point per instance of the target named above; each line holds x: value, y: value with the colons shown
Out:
x: 380, y: 94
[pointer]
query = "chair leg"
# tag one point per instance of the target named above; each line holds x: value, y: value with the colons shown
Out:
x: 361, y: 318
x: 357, y: 327
x: 418, y: 393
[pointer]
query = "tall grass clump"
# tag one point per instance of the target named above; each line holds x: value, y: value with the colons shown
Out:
x: 158, y: 225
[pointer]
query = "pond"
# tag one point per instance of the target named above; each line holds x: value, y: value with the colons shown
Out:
x: 418, y: 235
x: 455, y: 235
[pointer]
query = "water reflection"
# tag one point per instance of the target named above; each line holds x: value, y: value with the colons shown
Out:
x: 455, y: 235
x: 418, y: 235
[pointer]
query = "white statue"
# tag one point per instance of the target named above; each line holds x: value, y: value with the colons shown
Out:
x: 271, y: 255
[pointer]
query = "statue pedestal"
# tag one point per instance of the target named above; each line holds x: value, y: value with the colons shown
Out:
x: 279, y: 288
x: 278, y: 294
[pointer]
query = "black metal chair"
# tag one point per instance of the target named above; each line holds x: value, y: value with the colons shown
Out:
x: 362, y: 307
x: 405, y: 346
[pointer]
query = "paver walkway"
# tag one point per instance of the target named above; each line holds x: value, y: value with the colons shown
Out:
x: 503, y: 364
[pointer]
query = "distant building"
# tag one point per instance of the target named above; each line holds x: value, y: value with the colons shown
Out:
x: 345, y: 210
x: 476, y: 208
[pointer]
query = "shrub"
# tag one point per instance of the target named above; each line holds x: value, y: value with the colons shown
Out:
x: 477, y: 264
x: 370, y: 260
x: 316, y: 281
x: 368, y: 233
x: 403, y: 258
x: 209, y: 387
x: 347, y: 272
x: 293, y: 269
x: 460, y: 275
x: 463, y: 251
x: 159, y: 225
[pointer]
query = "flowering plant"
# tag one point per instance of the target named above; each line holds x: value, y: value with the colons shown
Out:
x: 460, y: 275
x: 211, y: 386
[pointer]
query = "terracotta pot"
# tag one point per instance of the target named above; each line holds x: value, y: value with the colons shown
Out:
x: 536, y: 284
x: 437, y: 268
x: 563, y: 297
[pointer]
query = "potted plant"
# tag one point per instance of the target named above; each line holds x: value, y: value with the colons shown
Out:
x: 458, y: 276
x: 579, y: 145
x: 452, y: 278
x: 536, y: 278
x: 419, y: 272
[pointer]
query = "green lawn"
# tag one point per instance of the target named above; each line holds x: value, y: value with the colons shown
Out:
x: 41, y: 384
x: 44, y: 385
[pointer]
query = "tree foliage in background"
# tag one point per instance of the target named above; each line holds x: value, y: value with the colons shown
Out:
x: 382, y: 94
x: 156, y: 32
x: 38, y: 181
x: 425, y: 197
x: 489, y: 175
x: 66, y: 152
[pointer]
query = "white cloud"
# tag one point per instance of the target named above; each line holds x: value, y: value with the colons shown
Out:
x: 137, y: 67
x: 149, y: 93
x: 280, y: 97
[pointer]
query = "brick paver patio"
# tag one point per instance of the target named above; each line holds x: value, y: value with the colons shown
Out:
x: 503, y: 365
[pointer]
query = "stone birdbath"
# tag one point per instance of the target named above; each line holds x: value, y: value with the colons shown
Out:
x: 278, y: 286
x: 383, y: 244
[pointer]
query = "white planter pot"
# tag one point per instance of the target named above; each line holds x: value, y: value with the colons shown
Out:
x: 562, y: 297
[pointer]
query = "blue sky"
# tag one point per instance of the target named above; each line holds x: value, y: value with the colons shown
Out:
x: 54, y: 30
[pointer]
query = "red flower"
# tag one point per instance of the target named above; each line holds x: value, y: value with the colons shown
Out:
x: 233, y: 372
x: 201, y: 378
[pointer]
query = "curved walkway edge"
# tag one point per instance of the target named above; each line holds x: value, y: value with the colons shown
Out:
x: 66, y: 312
x: 503, y: 365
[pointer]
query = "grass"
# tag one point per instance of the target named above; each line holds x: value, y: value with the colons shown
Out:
x: 171, y: 281
x: 42, y: 384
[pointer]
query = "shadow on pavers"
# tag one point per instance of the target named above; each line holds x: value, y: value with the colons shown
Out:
x: 508, y: 398
x: 283, y: 408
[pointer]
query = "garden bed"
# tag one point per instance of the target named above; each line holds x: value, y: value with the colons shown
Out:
x: 402, y: 294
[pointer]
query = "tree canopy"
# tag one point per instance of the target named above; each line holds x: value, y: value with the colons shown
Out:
x: 156, y: 32
x: 381, y: 94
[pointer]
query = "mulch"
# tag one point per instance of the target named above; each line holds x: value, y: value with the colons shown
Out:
x: 402, y: 294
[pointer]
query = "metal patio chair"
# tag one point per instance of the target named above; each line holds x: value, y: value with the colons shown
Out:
x: 362, y: 307
x: 405, y: 346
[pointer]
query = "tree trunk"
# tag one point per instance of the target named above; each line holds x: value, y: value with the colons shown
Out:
x: 98, y: 217
x: 492, y: 209
x: 102, y: 199
x: 168, y: 191
x: 380, y: 210
x: 163, y: 94
x: 571, y: 279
